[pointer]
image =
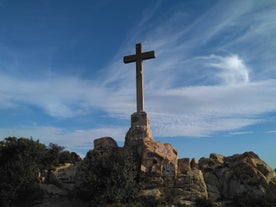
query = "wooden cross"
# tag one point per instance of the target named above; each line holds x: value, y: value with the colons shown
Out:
x: 138, y: 58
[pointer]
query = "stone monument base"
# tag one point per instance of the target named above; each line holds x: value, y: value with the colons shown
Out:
x: 140, y: 119
x: 139, y: 131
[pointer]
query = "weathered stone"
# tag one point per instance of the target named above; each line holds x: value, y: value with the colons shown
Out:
x: 217, y: 157
x: 139, y: 132
x: 150, y: 182
x: 183, y: 166
x: 190, y: 186
x: 194, y: 164
x: 228, y: 177
x: 140, y: 119
x: 155, y: 192
x: 105, y: 144
x: 59, y: 186
x: 179, y: 201
x: 66, y: 173
x: 159, y: 159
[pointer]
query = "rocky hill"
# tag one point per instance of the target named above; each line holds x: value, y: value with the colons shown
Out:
x: 149, y: 173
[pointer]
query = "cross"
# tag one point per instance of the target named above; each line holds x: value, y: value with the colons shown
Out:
x: 138, y: 58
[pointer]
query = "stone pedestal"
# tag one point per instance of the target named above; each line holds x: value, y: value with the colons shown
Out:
x: 139, y: 131
x: 140, y: 119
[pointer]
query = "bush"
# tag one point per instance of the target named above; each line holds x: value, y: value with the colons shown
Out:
x: 22, y: 162
x: 110, y: 178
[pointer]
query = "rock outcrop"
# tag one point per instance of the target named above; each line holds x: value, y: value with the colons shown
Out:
x: 105, y: 145
x: 157, y: 161
x: 240, y: 174
x: 58, y: 187
x: 156, y: 158
x: 189, y: 183
x: 183, y: 182
x: 150, y: 172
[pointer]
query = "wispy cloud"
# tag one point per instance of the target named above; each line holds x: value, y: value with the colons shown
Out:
x: 233, y: 70
x: 206, y: 69
x: 186, y: 111
x: 241, y: 133
x: 271, y: 132
x: 202, y: 110
x: 62, y: 97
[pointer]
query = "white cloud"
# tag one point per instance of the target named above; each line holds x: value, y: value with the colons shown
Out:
x: 271, y: 132
x: 202, y: 110
x: 60, y: 97
x: 241, y: 133
x: 233, y: 70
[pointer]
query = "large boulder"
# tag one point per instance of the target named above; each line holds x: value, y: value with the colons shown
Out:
x: 159, y: 159
x: 190, y: 187
x: 183, y: 166
x: 105, y: 144
x: 237, y: 175
x: 189, y: 183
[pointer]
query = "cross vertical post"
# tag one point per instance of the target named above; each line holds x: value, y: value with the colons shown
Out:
x: 138, y: 58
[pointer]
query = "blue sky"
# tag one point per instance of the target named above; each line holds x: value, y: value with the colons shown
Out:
x: 211, y: 88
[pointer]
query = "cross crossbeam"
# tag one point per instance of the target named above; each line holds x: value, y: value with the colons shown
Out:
x: 138, y: 58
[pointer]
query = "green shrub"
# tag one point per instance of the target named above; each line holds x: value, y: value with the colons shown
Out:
x: 108, y: 179
x: 22, y: 162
